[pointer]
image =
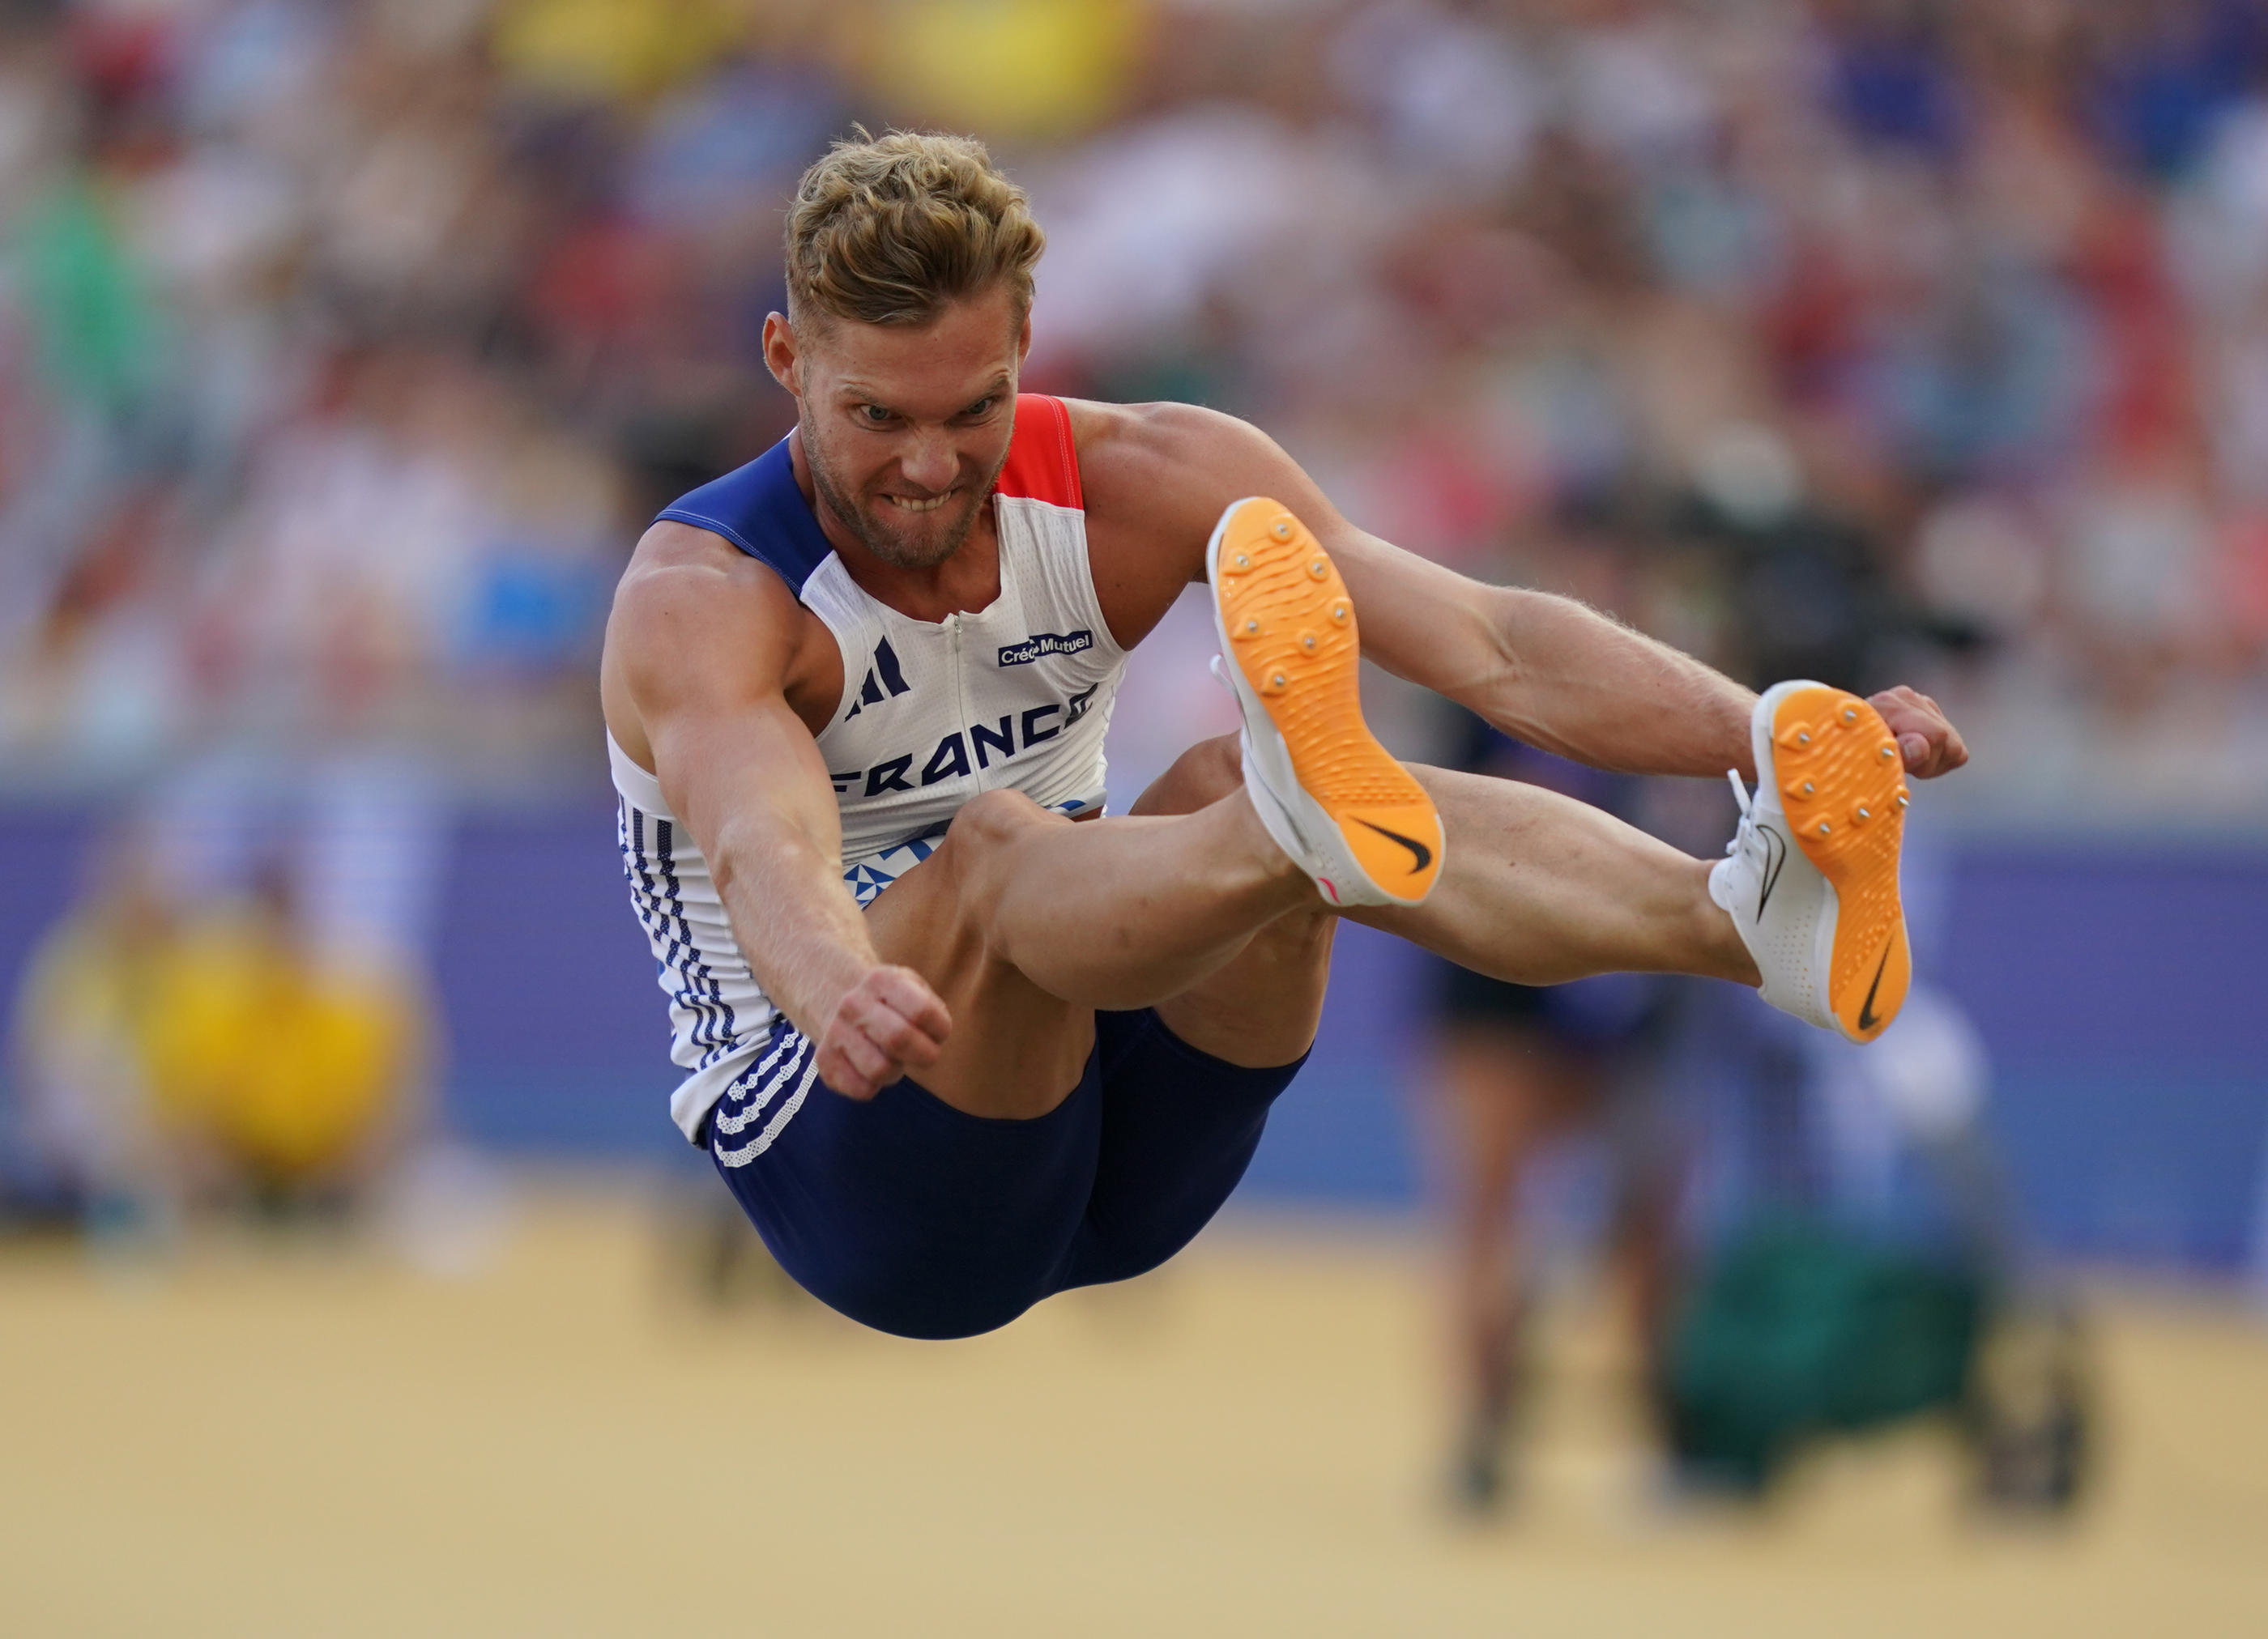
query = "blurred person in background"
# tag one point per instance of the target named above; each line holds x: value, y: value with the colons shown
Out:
x: 176, y: 1055
x: 87, y: 1148
x: 283, y: 1076
x: 1515, y: 1068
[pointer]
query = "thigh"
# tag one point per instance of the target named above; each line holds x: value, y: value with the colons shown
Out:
x: 1538, y: 888
x: 1261, y: 1007
x: 1179, y: 1126
x: 1014, y: 1050
x: 902, y: 1212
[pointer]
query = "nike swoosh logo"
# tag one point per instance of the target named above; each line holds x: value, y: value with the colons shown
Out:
x: 1866, y: 1020
x: 1775, y: 858
x: 1418, y: 851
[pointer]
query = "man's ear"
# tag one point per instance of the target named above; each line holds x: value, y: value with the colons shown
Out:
x: 1023, y: 341
x: 780, y: 356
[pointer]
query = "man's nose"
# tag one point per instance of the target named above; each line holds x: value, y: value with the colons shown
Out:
x: 931, y: 463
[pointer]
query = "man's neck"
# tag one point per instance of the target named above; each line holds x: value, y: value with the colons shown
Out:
x: 966, y: 583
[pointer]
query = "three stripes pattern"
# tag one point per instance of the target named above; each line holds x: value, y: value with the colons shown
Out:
x: 789, y: 1065
x: 658, y: 901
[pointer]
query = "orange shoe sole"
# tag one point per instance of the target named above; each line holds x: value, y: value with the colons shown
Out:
x: 1844, y: 785
x: 1292, y: 634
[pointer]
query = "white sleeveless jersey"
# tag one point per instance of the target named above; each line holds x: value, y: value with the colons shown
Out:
x: 1017, y: 695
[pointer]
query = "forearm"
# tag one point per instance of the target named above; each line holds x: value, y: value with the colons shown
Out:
x: 1575, y: 682
x: 794, y: 919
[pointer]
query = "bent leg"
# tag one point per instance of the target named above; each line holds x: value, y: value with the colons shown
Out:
x: 1026, y: 922
x: 1537, y: 888
x: 1259, y: 1007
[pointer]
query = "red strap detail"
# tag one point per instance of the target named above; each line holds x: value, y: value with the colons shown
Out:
x: 1042, y: 460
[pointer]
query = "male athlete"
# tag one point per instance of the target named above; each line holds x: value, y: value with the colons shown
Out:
x: 1031, y: 1048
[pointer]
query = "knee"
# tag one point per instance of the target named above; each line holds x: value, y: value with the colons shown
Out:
x: 1200, y: 777
x: 989, y: 825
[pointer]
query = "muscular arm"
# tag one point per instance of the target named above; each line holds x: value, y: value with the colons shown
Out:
x: 697, y: 654
x: 1547, y: 669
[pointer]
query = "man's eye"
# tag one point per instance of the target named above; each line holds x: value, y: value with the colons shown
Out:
x: 980, y: 407
x: 875, y: 413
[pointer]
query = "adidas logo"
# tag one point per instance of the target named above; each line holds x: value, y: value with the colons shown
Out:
x: 883, y: 675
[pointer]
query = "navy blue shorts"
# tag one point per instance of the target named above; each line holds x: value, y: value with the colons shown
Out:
x: 913, y: 1217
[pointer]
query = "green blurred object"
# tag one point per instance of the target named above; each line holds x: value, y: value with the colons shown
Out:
x: 1799, y: 1329
x: 98, y: 331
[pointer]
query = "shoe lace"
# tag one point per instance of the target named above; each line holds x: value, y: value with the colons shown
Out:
x: 1747, y: 812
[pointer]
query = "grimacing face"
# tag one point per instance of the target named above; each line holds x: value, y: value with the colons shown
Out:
x: 905, y: 427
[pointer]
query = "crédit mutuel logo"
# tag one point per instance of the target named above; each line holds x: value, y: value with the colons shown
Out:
x: 1040, y: 645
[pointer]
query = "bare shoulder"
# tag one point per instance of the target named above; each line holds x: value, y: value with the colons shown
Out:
x: 694, y: 621
x: 1131, y: 430
x: 686, y: 589
x: 1176, y: 467
x: 1156, y: 478
x: 1164, y: 458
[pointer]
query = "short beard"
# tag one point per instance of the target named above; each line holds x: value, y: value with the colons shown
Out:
x: 896, y: 553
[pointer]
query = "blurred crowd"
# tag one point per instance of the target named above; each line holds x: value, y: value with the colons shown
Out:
x: 344, y: 346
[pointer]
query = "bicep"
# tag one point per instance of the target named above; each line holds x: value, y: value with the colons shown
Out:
x: 704, y: 660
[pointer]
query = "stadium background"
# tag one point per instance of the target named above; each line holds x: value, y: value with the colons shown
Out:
x: 345, y: 347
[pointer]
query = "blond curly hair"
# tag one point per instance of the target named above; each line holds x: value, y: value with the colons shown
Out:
x: 889, y: 230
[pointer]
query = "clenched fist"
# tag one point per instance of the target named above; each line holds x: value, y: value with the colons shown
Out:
x: 1929, y: 743
x: 887, y: 1024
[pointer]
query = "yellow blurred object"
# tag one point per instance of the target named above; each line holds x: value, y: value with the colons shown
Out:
x: 82, y: 1095
x: 287, y: 1069
x: 615, y: 50
x: 1029, y: 68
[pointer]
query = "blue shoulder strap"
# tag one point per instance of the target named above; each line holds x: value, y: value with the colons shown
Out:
x: 759, y: 510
